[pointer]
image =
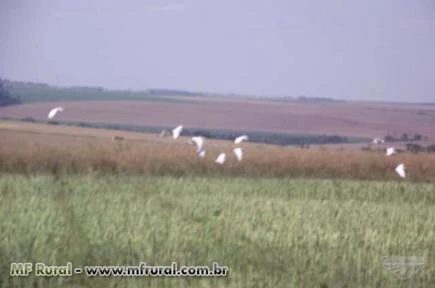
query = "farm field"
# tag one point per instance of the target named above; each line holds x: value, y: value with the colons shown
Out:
x: 270, y: 232
x: 347, y: 119
x: 283, y: 217
x: 200, y: 144
x: 28, y: 148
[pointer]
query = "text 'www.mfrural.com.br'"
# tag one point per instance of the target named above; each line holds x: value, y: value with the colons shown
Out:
x: 141, y: 270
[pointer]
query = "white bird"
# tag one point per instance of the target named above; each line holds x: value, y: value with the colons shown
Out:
x: 220, y: 159
x: 239, y: 153
x: 400, y: 169
x: 163, y: 133
x: 199, y: 141
x: 378, y: 141
x: 54, y: 111
x: 241, y: 138
x: 177, y: 131
x: 201, y: 153
x: 390, y: 151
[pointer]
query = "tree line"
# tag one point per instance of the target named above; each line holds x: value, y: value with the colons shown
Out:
x: 6, y: 98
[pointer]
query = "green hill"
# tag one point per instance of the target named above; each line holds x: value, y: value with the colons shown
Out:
x: 30, y: 92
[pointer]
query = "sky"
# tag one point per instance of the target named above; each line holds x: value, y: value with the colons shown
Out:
x: 345, y: 49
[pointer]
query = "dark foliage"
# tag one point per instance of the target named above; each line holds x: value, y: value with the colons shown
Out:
x: 5, y: 96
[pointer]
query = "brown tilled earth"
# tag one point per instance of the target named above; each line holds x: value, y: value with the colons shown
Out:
x: 351, y: 119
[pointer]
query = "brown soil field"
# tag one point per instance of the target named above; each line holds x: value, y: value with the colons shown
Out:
x: 41, y: 148
x: 347, y: 118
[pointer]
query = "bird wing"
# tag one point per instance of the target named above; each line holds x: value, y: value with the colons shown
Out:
x: 52, y: 113
x: 241, y: 138
x: 199, y: 141
x: 401, y: 170
x: 176, y: 131
x: 202, y: 153
x: 239, y: 153
x: 221, y: 158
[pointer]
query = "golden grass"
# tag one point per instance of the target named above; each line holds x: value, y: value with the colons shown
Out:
x: 28, y: 148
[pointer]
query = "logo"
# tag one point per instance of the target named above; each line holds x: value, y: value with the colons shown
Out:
x: 404, y: 266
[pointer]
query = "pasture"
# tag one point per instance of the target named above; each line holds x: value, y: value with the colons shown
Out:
x: 283, y: 217
x: 269, y: 232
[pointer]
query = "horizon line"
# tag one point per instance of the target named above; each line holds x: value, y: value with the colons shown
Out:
x: 226, y: 94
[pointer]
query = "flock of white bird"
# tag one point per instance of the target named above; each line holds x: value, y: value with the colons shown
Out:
x: 199, y: 141
x: 391, y: 151
x: 238, y: 151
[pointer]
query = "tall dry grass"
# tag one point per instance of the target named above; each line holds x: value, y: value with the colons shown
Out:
x: 26, y: 152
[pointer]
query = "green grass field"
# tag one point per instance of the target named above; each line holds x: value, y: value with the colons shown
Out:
x: 269, y: 232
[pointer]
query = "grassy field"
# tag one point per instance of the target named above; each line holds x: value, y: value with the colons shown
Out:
x: 29, y: 148
x: 58, y: 150
x: 283, y: 217
x: 269, y: 232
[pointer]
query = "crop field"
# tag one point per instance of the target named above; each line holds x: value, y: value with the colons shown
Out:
x: 346, y: 119
x: 283, y: 217
x: 268, y: 232
x: 55, y: 149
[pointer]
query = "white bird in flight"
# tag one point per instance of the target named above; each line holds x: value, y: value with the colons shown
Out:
x: 201, y: 153
x: 177, y: 131
x: 199, y: 141
x: 163, y: 133
x: 378, y: 141
x: 54, y: 111
x: 390, y: 151
x: 220, y: 159
x: 239, y: 153
x: 241, y: 138
x: 400, y: 169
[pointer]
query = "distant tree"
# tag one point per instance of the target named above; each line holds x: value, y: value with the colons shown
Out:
x: 389, y: 138
x: 430, y: 148
x: 5, y: 96
x: 335, y: 139
x: 415, y: 148
x: 28, y: 119
x: 417, y: 137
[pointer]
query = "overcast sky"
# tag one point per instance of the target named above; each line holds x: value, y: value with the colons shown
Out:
x: 366, y: 50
